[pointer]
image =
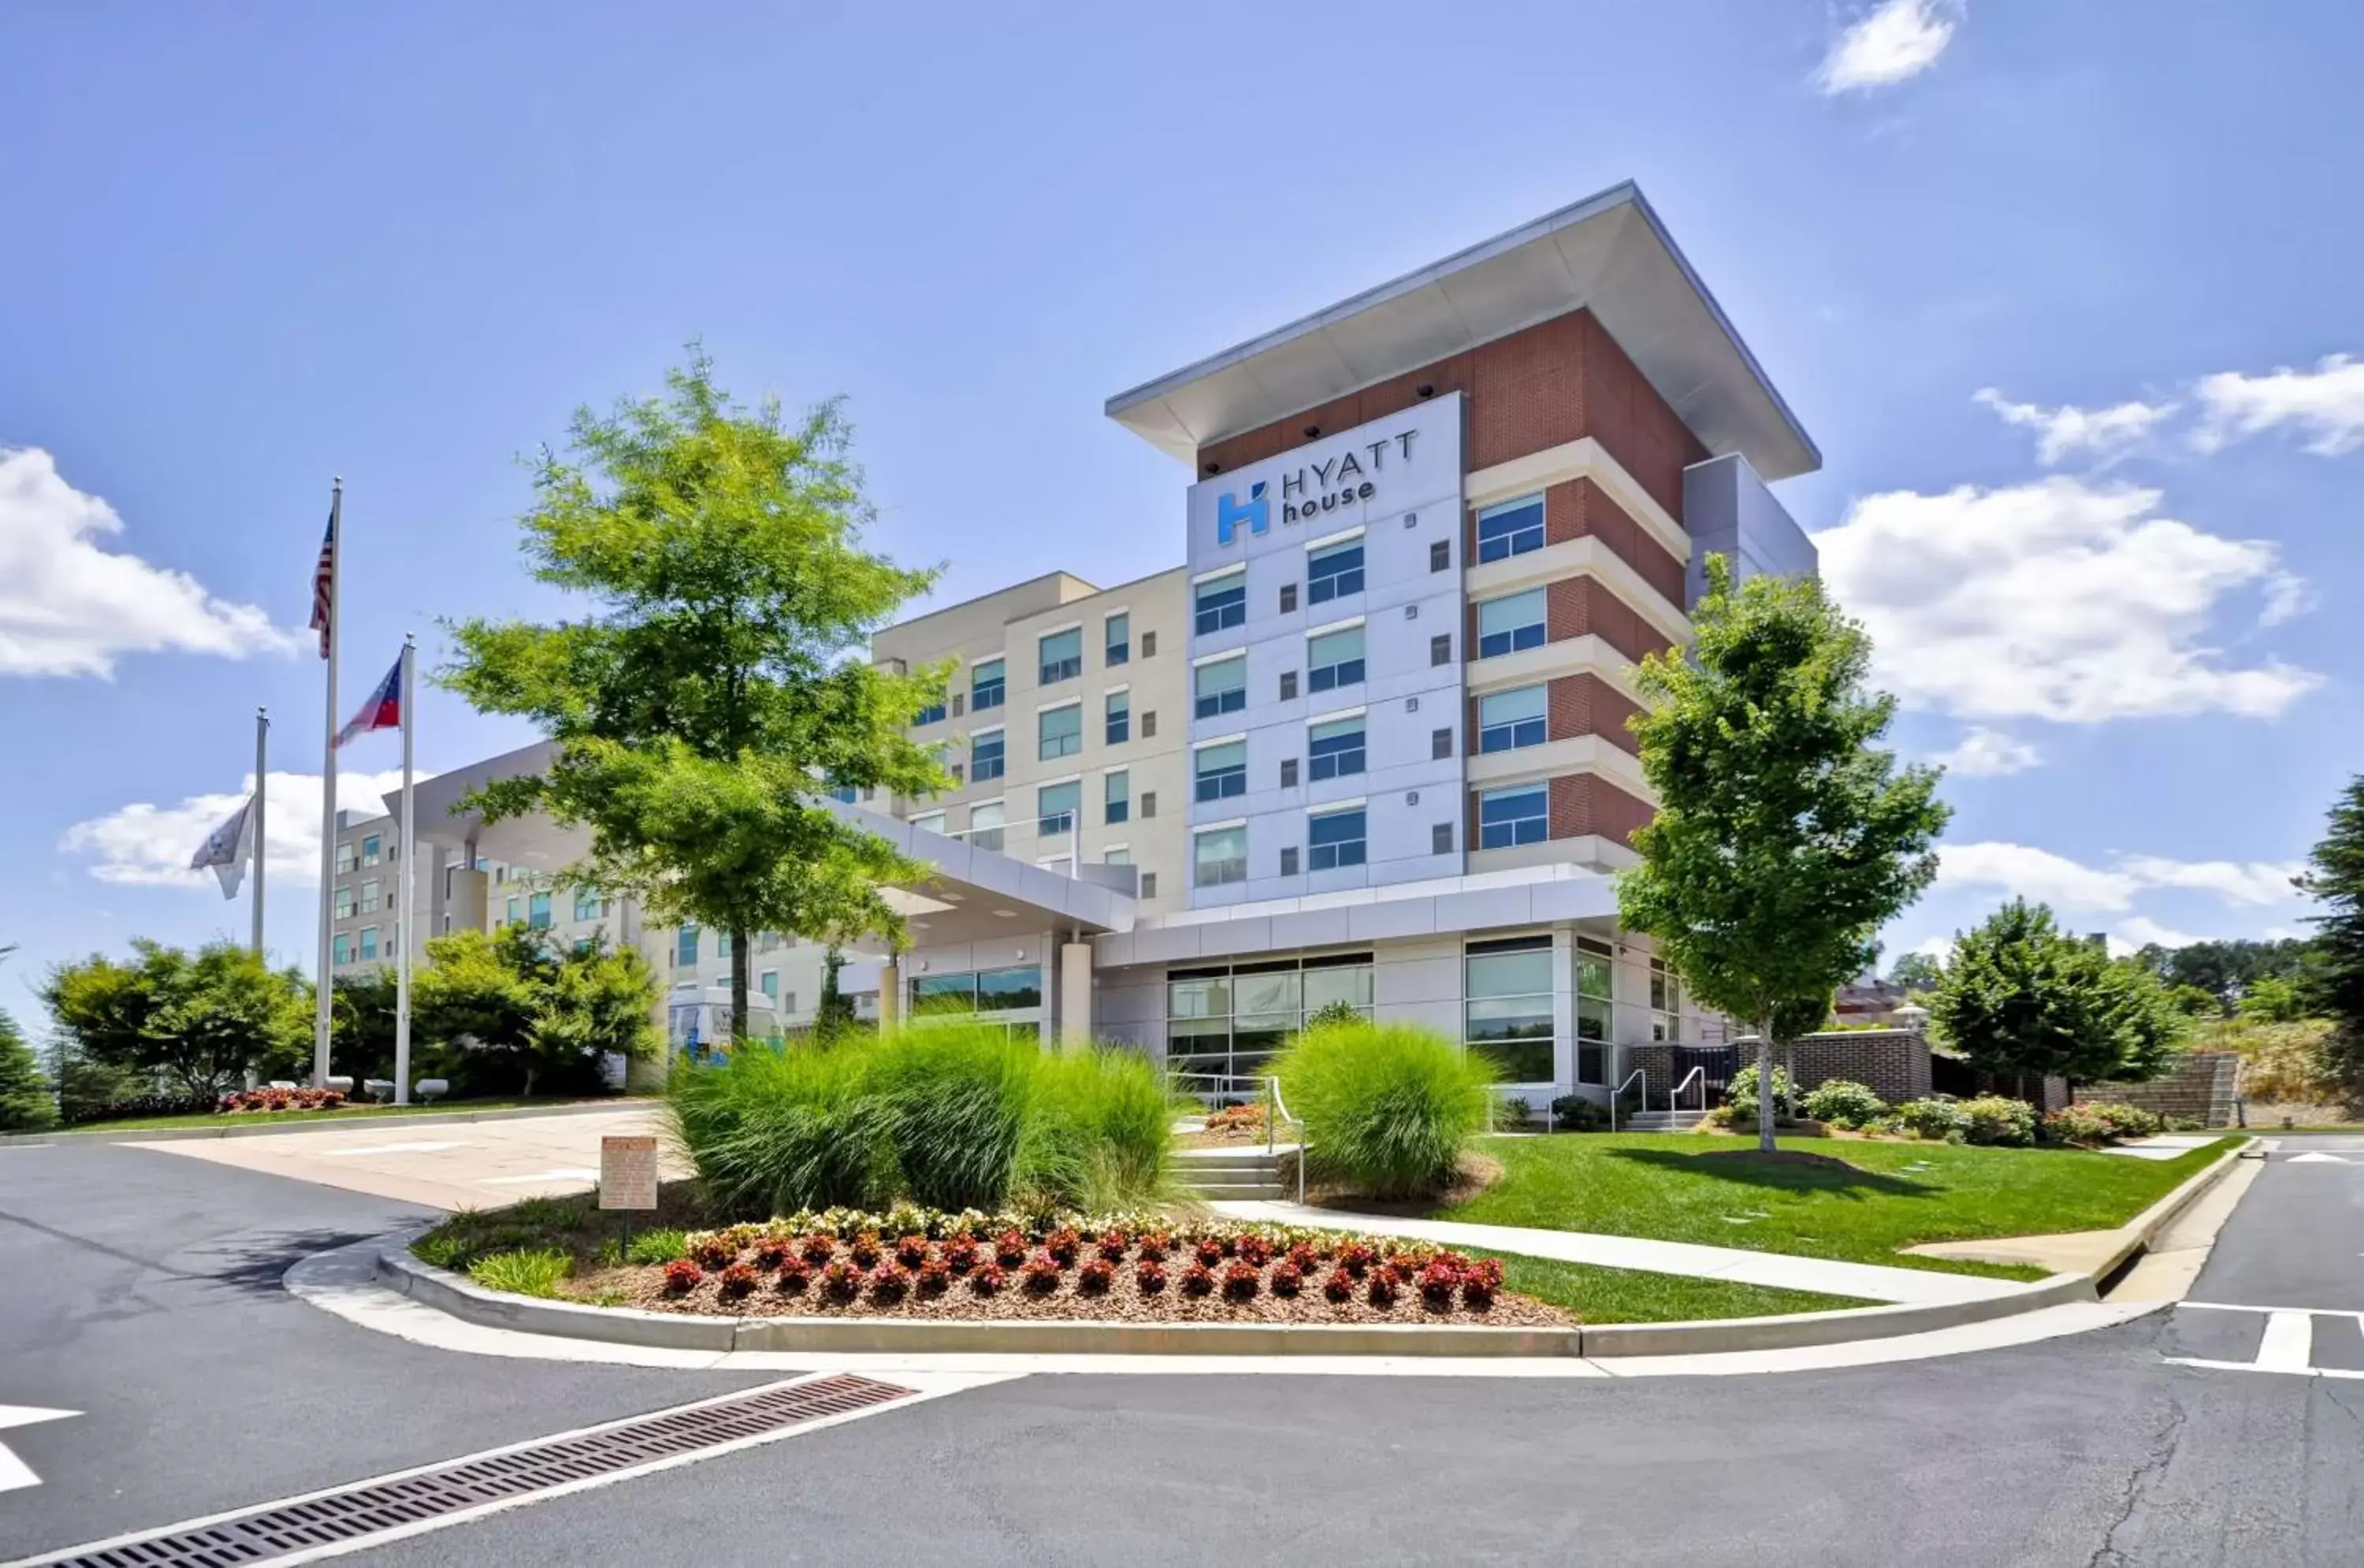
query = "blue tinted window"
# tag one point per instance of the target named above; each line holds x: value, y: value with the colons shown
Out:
x: 1333, y: 660
x: 1507, y: 624
x: 986, y: 686
x: 1511, y: 529
x: 1062, y: 655
x: 1221, y: 687
x: 1508, y: 816
x: 1335, y: 747
x: 1222, y: 603
x: 984, y: 756
x: 1333, y: 571
x: 1335, y: 839
x: 1508, y: 720
x: 1222, y: 770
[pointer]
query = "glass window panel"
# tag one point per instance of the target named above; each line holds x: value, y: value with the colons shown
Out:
x: 1594, y: 977
x: 1060, y: 731
x: 986, y: 755
x: 1592, y: 1017
x: 1222, y: 603
x: 1208, y: 997
x: 986, y: 686
x: 1062, y: 655
x: 1119, y: 639
x: 1334, y: 572
x: 686, y: 945
x: 1513, y: 527
x: 1335, y: 838
x: 1509, y: 1017
x: 1055, y: 806
x: 1220, y: 857
x: 936, y: 995
x: 1006, y: 990
x: 1513, y: 817
x: 985, y: 824
x: 1324, y: 987
x: 1510, y: 974
x: 1526, y: 1061
x: 1222, y: 770
x: 1268, y: 993
x: 1511, y: 622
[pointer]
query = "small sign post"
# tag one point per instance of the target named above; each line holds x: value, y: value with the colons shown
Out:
x: 628, y: 1177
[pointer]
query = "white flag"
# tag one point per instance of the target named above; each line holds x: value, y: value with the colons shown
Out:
x: 228, y: 849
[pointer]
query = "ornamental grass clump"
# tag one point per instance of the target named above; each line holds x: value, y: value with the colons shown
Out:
x: 1387, y: 1107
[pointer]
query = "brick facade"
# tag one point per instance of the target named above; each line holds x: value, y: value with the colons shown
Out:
x: 1578, y: 606
x: 1587, y: 803
x: 1587, y: 705
x: 2200, y: 1089
x: 1893, y: 1062
x: 1577, y: 509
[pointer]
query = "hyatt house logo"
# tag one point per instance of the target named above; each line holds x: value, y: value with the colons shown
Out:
x: 1313, y: 489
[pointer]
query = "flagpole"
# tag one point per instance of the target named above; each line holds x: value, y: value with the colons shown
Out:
x: 261, y: 763
x: 328, y: 792
x: 406, y: 876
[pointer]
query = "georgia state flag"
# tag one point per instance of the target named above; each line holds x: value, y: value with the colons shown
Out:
x: 381, y: 710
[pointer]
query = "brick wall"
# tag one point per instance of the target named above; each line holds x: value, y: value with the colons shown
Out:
x: 2200, y: 1089
x: 1577, y: 509
x: 1578, y: 606
x: 1586, y: 803
x: 1893, y: 1062
x: 1587, y: 705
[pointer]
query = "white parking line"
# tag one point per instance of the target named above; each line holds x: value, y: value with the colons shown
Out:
x: 2288, y: 1344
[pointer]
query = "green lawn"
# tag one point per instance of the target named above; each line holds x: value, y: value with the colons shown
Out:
x: 1899, y: 1195
x: 279, y: 1118
x: 1598, y: 1294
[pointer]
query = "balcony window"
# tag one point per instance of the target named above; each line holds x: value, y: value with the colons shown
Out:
x: 1118, y: 640
x: 1120, y: 717
x: 1511, y: 529
x: 1222, y: 770
x: 1509, y: 817
x: 985, y: 824
x: 1335, y: 838
x: 1508, y: 721
x: 985, y: 755
x: 1507, y: 624
x: 1055, y: 807
x: 1335, y: 749
x: 1334, y: 573
x: 1221, y: 687
x: 1222, y: 603
x: 986, y: 687
x: 1062, y: 655
x: 1116, y: 802
x: 1220, y: 856
x: 1334, y: 659
x: 1059, y: 732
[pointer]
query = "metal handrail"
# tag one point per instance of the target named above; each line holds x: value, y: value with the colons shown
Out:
x: 1276, y: 1112
x: 1676, y: 1093
x: 1641, y: 1072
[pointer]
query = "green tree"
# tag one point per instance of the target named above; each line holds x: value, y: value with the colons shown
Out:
x: 2024, y: 997
x: 2225, y: 970
x: 721, y: 685
x: 2193, y: 1001
x: 2335, y: 874
x: 360, y: 1023
x: 201, y: 1020
x: 1785, y: 834
x: 2273, y: 999
x: 506, y: 1012
x: 1917, y: 972
x: 27, y: 1101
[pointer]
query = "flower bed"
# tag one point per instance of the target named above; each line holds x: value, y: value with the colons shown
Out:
x: 248, y: 1100
x: 928, y: 1264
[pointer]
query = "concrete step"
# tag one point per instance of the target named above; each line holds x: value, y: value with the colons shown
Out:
x: 1234, y: 1191
x: 1228, y: 1160
x: 1660, y: 1121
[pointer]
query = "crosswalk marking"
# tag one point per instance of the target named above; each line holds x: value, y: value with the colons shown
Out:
x: 2287, y: 1345
x: 2289, y: 1342
x: 2317, y: 1157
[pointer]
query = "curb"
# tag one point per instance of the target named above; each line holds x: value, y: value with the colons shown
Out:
x: 103, y: 1134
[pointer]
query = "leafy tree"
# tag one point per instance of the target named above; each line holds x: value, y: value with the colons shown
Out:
x: 2225, y: 970
x: 1917, y: 972
x: 26, y: 1103
x: 2193, y: 1001
x: 2025, y: 997
x: 86, y: 1086
x: 1785, y: 836
x: 201, y: 1020
x: 506, y: 1012
x: 721, y: 685
x: 2336, y: 876
x: 360, y: 1022
x: 2273, y: 999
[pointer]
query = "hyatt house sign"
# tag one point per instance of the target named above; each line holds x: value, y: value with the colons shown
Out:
x: 1402, y: 460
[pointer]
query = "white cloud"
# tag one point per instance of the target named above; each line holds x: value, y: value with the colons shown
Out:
x: 70, y: 607
x: 148, y: 845
x: 2043, y: 878
x: 2061, y: 433
x: 2326, y: 402
x: 1988, y: 754
x: 1895, y: 40
x: 2060, y: 599
x: 2251, y: 883
x: 2142, y: 931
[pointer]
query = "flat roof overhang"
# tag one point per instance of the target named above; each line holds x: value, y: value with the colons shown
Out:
x: 1609, y: 252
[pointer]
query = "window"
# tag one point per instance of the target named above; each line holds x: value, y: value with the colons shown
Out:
x: 1015, y: 989
x: 1335, y: 747
x: 1509, y: 624
x: 767, y: 941
x: 984, y: 824
x: 1508, y: 721
x: 1116, y: 639
x: 986, y: 686
x: 684, y: 947
x: 1009, y: 990
x: 1222, y: 603
x: 1055, y: 807
x: 936, y: 995
x: 1149, y: 645
x: 369, y: 941
x: 1596, y: 1003
x: 1222, y: 770
x: 931, y: 714
x: 985, y: 757
x: 1665, y: 1003
x: 1289, y: 598
x: 955, y: 769
x: 1221, y: 687
x: 1059, y: 731
x: 960, y: 704
x: 722, y: 944
x: 515, y: 916
x: 1510, y: 529
x: 1335, y: 838
x: 1508, y: 1009
x: 344, y: 903
x: 1334, y: 573
x: 343, y: 947
x: 1440, y: 838
x: 1230, y: 1018
x: 1334, y: 659
x: 1148, y: 878
x: 344, y: 856
x: 1288, y: 686
x: 372, y: 898
x: 1148, y: 805
x: 1062, y: 655
x: 586, y: 903
x: 1117, y: 855
x: 537, y: 911
x: 1288, y: 773
x: 845, y: 793
x: 1440, y: 555
x: 1440, y: 744
x: 1288, y: 860
x: 370, y: 855
x: 1440, y: 650
x: 1117, y: 801
x: 1220, y: 855
x: 929, y: 822
x: 768, y: 983
x: 1508, y: 816
x: 1120, y: 717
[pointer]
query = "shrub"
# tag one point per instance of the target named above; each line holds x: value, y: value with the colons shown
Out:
x: 1480, y: 1282
x: 281, y: 1100
x: 2102, y: 1122
x: 1933, y: 1117
x: 889, y: 1282
x: 713, y: 1251
x: 1511, y: 1113
x: 1356, y: 1258
x: 1062, y: 1244
x: 1209, y: 1251
x: 1253, y: 1246
x: 985, y: 1279
x: 736, y: 1281
x: 1155, y: 1245
x: 1114, y: 1244
x: 682, y: 1276
x: 1843, y: 1104
x: 1439, y: 1281
x: 935, y: 1277
x: 1198, y: 1280
x: 774, y: 1131
x: 771, y: 1253
x: 795, y: 1275
x: 865, y: 1251
x: 1100, y: 1130
x: 1574, y: 1113
x: 911, y: 1252
x: 818, y: 1249
x: 521, y: 1273
x: 841, y: 1281
x: 1387, y: 1107
x: 103, y: 1100
x: 1095, y: 1277
x: 1741, y: 1094
x: 1303, y: 1258
x: 1381, y: 1289
x: 1340, y: 1286
x: 1149, y: 1276
x: 960, y: 1254
x: 1998, y: 1119
x: 1040, y: 1273
x: 1242, y: 1281
x: 1287, y: 1279
x: 1010, y: 1248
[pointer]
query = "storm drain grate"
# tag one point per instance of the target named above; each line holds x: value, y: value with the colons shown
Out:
x: 373, y: 1508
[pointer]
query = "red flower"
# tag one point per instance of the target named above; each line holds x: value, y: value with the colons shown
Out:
x: 1242, y: 1281
x: 1040, y: 1273
x: 1356, y: 1258
x: 840, y: 1281
x: 682, y: 1276
x: 1381, y: 1289
x: 770, y: 1253
x: 1303, y: 1258
x: 1155, y: 1245
x: 960, y: 1254
x: 736, y: 1281
x: 911, y: 1252
x: 1198, y: 1280
x: 865, y: 1251
x: 795, y: 1275
x: 1010, y: 1248
x: 935, y: 1277
x: 1287, y: 1279
x: 1437, y: 1283
x: 1114, y: 1244
x: 1095, y: 1277
x: 819, y: 1249
x: 1481, y: 1282
x: 1254, y: 1249
x: 889, y: 1282
x: 1340, y: 1286
x: 713, y: 1252
x: 1063, y: 1245
x: 1209, y: 1251
x: 986, y: 1278
x: 1150, y: 1275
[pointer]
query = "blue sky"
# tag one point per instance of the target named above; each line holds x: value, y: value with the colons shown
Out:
x: 2057, y: 287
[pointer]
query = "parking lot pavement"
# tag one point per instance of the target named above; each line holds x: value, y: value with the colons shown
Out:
x: 478, y: 1164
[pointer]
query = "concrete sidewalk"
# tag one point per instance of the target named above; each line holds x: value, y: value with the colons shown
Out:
x: 1868, y: 1282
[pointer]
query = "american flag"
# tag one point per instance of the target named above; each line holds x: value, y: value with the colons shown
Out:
x: 324, y: 585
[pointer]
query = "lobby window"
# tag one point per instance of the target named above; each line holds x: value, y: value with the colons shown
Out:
x: 1335, y: 838
x: 1229, y: 1019
x: 986, y: 687
x: 1334, y: 659
x: 1117, y: 801
x: 1222, y: 770
x: 1508, y: 816
x: 369, y: 941
x: 1222, y: 603
x: 1666, y: 1002
x: 1120, y: 717
x: 1596, y: 1003
x: 344, y: 949
x: 344, y: 903
x: 1015, y: 989
x: 372, y: 898
x: 1335, y: 747
x: 1511, y: 529
x: 931, y: 714
x: 345, y: 856
x: 985, y: 755
x: 1062, y: 655
x: 1060, y: 732
x: 371, y: 854
x: 1507, y: 987
x: 985, y: 824
x: 1055, y: 807
x: 930, y: 821
x: 1334, y: 573
x: 1221, y: 687
x: 684, y: 948
x: 1508, y: 721
x: 537, y: 911
x: 1116, y: 639
x: 1507, y: 624
x: 1218, y: 856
